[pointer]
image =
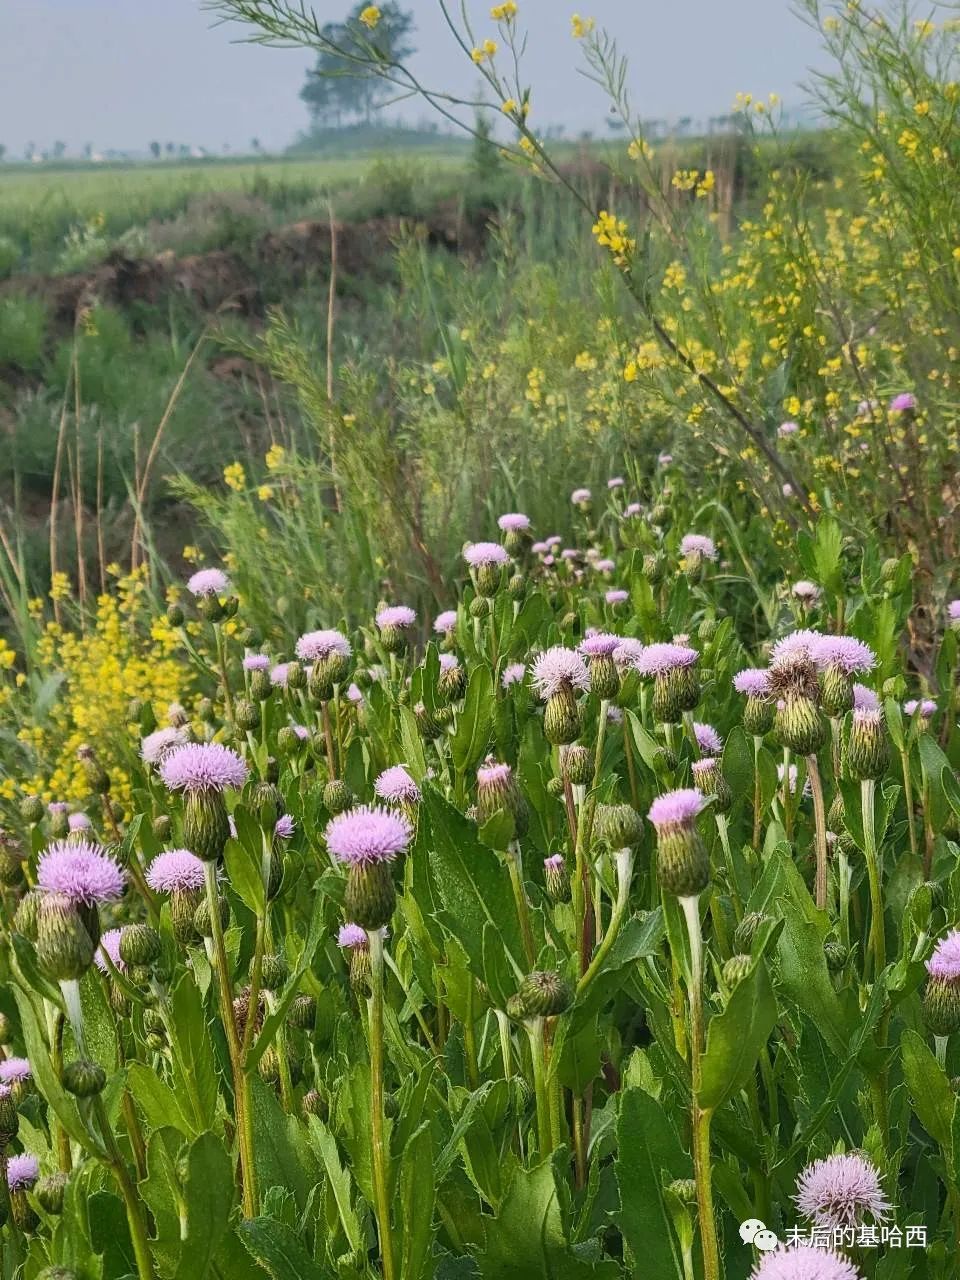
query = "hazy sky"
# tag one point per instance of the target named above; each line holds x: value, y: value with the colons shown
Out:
x: 117, y: 73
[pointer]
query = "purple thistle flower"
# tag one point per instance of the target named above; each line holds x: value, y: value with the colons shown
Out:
x: 256, y: 662
x: 787, y: 429
x: 557, y: 667
x: 865, y: 699
x: 285, y: 827
x: 579, y: 496
x: 79, y: 822
x: 278, y: 675
x: 445, y: 621
x: 615, y: 482
x: 753, y: 682
x: 321, y: 644
x: 513, y: 522
x: 109, y: 946
x: 493, y: 774
x: 841, y: 1191
x: 554, y: 862
x: 905, y: 402
x: 632, y: 509
x: 676, y: 808
x: 156, y: 745
x: 708, y: 740
x: 396, y: 615
x: 81, y: 871
x: 926, y: 706
x: 569, y: 554
x: 604, y: 566
x: 203, y: 766
x: 553, y: 541
x: 697, y: 544
x: 352, y: 937
x: 658, y: 659
x: 804, y: 1262
x: 953, y: 610
x: 449, y: 662
x: 22, y: 1172
x: 15, y: 1070
x: 354, y: 694
x: 945, y: 961
x: 664, y: 459
x: 56, y: 807
x: 539, y: 548
x: 850, y: 655
x: 396, y: 785
x: 174, y: 871
x: 798, y: 646
x: 600, y: 645
x: 627, y: 652
x: 513, y: 673
x: 806, y: 592
x: 301, y: 730
x: 368, y: 834
x: 617, y: 596
x: 209, y: 582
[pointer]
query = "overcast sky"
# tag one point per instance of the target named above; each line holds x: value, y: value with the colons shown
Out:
x: 118, y: 73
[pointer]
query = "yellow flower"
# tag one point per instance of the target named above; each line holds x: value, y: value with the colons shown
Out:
x: 504, y: 12
x: 191, y: 554
x: 370, y: 16
x: 922, y: 108
x: 275, y: 456
x: 581, y: 27
x: 59, y: 586
x: 265, y: 492
x: 7, y: 656
x: 640, y: 149
x: 235, y: 477
x: 706, y: 184
x: 508, y: 106
x: 489, y: 47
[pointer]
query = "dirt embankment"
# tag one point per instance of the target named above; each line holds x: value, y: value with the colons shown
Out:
x: 235, y: 279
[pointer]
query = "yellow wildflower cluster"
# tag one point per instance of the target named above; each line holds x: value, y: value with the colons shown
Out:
x: 504, y: 12
x: 234, y: 477
x: 370, y: 16
x: 611, y: 232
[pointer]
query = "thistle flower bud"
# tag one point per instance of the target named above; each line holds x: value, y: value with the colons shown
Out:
x: 246, y: 715
x: 200, y: 919
x: 654, y: 565
x: 83, y: 1078
x: 26, y: 914
x: 707, y: 630
x: 11, y: 861
x: 708, y: 778
x: 544, y: 994
x: 758, y: 716
x: 479, y: 607
x: 31, y: 809
x: 868, y: 752
x: 140, y: 945
x: 296, y: 676
x: 799, y: 725
x: 6, y: 1030
x: 370, y: 896
x: 303, y: 1013
x: 210, y: 608
x: 452, y: 681
x: 836, y: 690
x: 260, y: 685
x: 269, y: 1065
x: 274, y: 972
x: 576, y: 765
x: 517, y: 587
x: 289, y: 742
x: 619, y: 826
x: 175, y: 615
x: 161, y: 826
x: 747, y: 930
x: 685, y: 1189
x: 683, y: 864
x: 736, y: 969
x: 515, y: 1009
x: 557, y: 878
x: 206, y: 828
x: 65, y: 948
x: 561, y: 717
x: 98, y: 780
x: 427, y: 722
x: 555, y: 787
x: 498, y: 789
x: 49, y: 1192
x: 835, y: 954
x: 153, y: 1021
x: 941, y: 1005
x: 337, y: 796
x: 314, y: 1104
x: 9, y: 1118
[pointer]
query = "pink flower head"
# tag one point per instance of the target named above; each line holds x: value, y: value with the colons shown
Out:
x: 22, y: 1172
x: 513, y: 522
x: 301, y: 730
x: 753, y: 682
x: 554, y: 862
x: 658, y: 659
x: 926, y: 706
x: 850, y: 655
x: 557, y: 667
x: 284, y: 827
x: 569, y: 553
x: 632, y: 509
x: 841, y: 1191
x: 354, y: 694
x: 352, y: 937
x: 664, y: 459
x: 945, y: 961
x: 368, y: 834
x: 321, y: 644
x: 396, y: 785
x: 806, y: 592
x: 539, y: 548
x: 15, y: 1070
x: 203, y: 766
x: 174, y: 871
x: 696, y: 544
x: 627, y: 652
x: 804, y: 1262
x: 155, y: 746
x: 600, y: 645
x: 208, y: 582
x: 615, y: 482
x: 109, y: 946
x: 798, y: 646
x: 676, y: 808
x: 604, y: 565
x: 905, y: 402
x: 953, y: 610
x: 492, y: 774
x: 478, y: 554
x: 617, y: 596
x: 396, y: 615
x: 449, y: 662
x: 513, y: 673
x: 580, y: 496
x: 81, y: 871
x: 554, y: 541
x: 256, y: 662
x: 56, y: 807
x: 708, y: 740
x: 787, y: 429
x: 278, y: 675
x: 445, y: 621
x: 865, y: 699
x: 705, y: 765
x: 79, y: 822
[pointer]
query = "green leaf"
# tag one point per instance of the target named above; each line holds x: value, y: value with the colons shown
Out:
x: 338, y: 1180
x: 208, y: 1193
x: 650, y: 750
x: 805, y: 979
x: 277, y: 1249
x: 46, y: 1078
x: 314, y: 935
x: 737, y: 763
x: 648, y: 1155
x: 417, y: 1199
x: 244, y: 862
x: 475, y: 721
x: 827, y: 550
x: 736, y: 1037
x: 160, y: 1104
x: 412, y: 742
x: 931, y: 1096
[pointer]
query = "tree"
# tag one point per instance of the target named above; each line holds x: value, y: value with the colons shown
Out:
x: 335, y: 90
x: 155, y: 150
x: 3, y: 150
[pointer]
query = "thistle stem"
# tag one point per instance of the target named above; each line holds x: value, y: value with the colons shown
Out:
x: 877, y: 937
x: 908, y: 800
x: 381, y: 1193
x: 535, y: 1032
x: 515, y: 866
x: 757, y: 744
x: 820, y: 825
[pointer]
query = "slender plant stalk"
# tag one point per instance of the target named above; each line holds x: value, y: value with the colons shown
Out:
x: 820, y: 825
x: 878, y: 941
x: 908, y: 800
x: 757, y: 795
x: 381, y: 1192
x: 515, y: 867
x: 544, y: 1130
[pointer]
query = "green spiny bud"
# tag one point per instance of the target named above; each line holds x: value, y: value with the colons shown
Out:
x: 868, y: 752
x: 557, y: 878
x: 49, y: 1192
x: 337, y: 796
x: 26, y: 914
x: 274, y: 972
x: 800, y: 726
x: 175, y: 615
x: 153, y: 1021
x: 303, y: 1013
x: 162, y: 826
x: 206, y: 828
x: 479, y: 607
x: 488, y: 578
x: 98, y: 780
x: 654, y: 565
x: 370, y: 895
x: 515, y: 1009
x: 835, y: 815
x: 64, y: 946
x: 314, y: 1104
x: 452, y: 683
x: 683, y: 864
x: 576, y: 765
x: 708, y: 778
x: 758, y: 716
x: 736, y: 969
x: 561, y: 717
x: 685, y: 1189
x: 31, y: 809
x: 11, y: 861
x: 836, y: 691
x: 83, y: 1078
x: 140, y: 945
x: 545, y: 994
x: 554, y: 786
x: 619, y: 826
x: 260, y: 686
x: 498, y: 789
x: 210, y: 608
x: 835, y: 954
x: 201, y: 922
x: 6, y: 1030
x: 747, y: 930
x: 604, y: 676
x: 183, y: 904
x: 289, y: 741
x: 707, y: 630
x: 427, y: 722
x: 296, y: 676
x: 517, y: 587
x: 941, y: 1005
x: 9, y: 1119
x: 246, y: 715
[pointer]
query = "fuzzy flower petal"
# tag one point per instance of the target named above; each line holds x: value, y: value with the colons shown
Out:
x: 174, y: 871
x: 945, y: 961
x: 109, y: 944
x: 15, y: 1070
x: 694, y: 544
x: 753, y: 682
x: 209, y: 582
x: 156, y: 745
x: 203, y: 766
x: 600, y: 645
x: 396, y: 785
x: 22, y: 1172
x: 368, y: 834
x: 320, y: 644
x: 81, y: 871
x: 445, y: 621
x: 657, y: 659
x: 804, y: 1262
x: 396, y: 615
x: 676, y: 808
x: 513, y: 522
x: 556, y: 667
x: 841, y: 1191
